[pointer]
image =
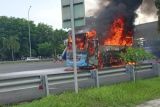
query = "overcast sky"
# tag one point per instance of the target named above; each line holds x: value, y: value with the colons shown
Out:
x: 45, y: 11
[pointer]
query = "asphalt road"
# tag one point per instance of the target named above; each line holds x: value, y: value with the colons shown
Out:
x: 30, y: 66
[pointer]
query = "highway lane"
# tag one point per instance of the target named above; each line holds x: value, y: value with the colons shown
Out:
x: 29, y: 66
x: 33, y: 72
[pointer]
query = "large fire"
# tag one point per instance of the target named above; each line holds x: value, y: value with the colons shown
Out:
x: 80, y: 42
x: 117, y: 36
x: 91, y: 34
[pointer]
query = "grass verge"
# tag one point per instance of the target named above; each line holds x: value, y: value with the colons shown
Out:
x: 120, y: 95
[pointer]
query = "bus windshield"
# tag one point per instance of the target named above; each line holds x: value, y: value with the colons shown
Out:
x: 80, y: 42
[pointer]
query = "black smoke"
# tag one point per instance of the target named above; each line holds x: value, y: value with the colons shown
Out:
x: 112, y: 9
x: 148, y: 7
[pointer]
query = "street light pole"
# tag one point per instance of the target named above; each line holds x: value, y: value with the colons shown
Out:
x: 29, y: 34
x: 74, y: 47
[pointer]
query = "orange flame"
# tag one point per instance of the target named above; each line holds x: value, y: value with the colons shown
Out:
x: 69, y: 47
x: 91, y: 34
x: 80, y: 43
x: 131, y: 63
x: 117, y: 35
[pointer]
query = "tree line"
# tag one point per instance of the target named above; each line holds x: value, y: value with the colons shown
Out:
x: 14, y: 39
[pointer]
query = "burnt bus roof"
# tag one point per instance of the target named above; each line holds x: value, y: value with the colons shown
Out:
x: 80, y: 31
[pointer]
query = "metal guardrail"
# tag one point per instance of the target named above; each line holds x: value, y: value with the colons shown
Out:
x: 23, y: 82
x: 67, y: 77
x: 112, y: 71
x: 143, y: 67
x: 19, y: 83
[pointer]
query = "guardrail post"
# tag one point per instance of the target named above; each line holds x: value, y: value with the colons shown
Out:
x: 45, y: 84
x: 156, y: 68
x: 94, y: 75
x: 132, y: 72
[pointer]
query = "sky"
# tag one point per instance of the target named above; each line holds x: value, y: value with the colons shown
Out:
x: 49, y: 11
x: 45, y: 11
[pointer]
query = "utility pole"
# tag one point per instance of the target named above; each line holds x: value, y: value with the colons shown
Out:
x: 73, y: 15
x: 74, y: 46
x: 29, y: 34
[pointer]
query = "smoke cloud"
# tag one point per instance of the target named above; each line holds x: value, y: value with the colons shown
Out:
x: 112, y: 9
x: 148, y: 7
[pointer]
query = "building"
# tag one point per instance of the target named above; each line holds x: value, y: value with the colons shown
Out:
x: 149, y: 36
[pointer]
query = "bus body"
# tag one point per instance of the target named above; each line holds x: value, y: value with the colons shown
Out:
x: 85, y: 50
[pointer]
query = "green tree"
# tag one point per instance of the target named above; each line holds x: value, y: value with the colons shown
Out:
x: 40, y: 34
x: 15, y: 26
x: 44, y: 32
x: 12, y: 45
x: 44, y: 49
x: 1, y: 48
x: 57, y: 41
x: 4, y: 49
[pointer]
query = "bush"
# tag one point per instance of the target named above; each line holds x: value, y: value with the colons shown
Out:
x: 135, y: 55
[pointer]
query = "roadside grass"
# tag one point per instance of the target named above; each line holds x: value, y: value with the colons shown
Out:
x: 119, y: 95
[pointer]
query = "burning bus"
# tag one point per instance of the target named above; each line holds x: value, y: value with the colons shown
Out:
x: 85, y: 46
x: 113, y: 32
x: 93, y: 51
